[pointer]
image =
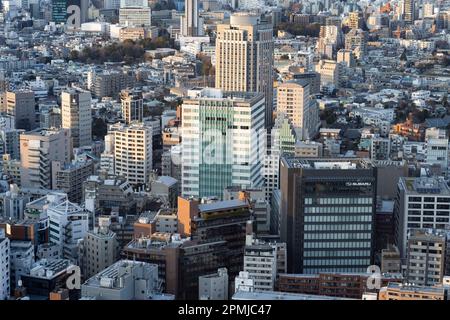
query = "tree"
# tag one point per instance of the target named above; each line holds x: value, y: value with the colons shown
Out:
x: 99, y: 128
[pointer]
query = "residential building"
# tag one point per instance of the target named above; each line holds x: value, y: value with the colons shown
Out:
x: 38, y: 149
x: 214, y: 286
x: 76, y: 116
x: 69, y: 177
x: 99, y: 249
x: 132, y: 106
x: 421, y: 203
x: 294, y: 99
x: 21, y: 105
x: 426, y: 257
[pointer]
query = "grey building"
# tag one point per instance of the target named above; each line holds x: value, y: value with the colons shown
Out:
x: 327, y: 214
x: 420, y: 203
x: 124, y: 280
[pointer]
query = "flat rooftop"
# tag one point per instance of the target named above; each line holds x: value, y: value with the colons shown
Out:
x: 425, y: 185
x: 327, y: 164
x: 276, y: 295
x: 221, y: 205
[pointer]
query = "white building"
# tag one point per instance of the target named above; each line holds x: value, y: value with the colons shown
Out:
x: 4, y: 266
x: 68, y: 224
x: 214, y: 286
x: 243, y: 282
x: 421, y: 203
x: 437, y: 152
x: 133, y: 151
x: 124, y: 280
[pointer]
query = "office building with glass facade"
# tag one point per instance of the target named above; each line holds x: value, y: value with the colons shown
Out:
x: 327, y: 214
x: 223, y: 141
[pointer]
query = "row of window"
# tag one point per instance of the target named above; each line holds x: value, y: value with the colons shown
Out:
x: 338, y: 201
x: 337, y: 236
x: 336, y: 253
x: 338, y: 209
x: 346, y: 218
x: 337, y: 244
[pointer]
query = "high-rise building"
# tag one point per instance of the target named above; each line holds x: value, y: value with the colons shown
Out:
x: 214, y: 286
x: 294, y: 99
x: 76, y: 116
x: 132, y: 106
x: 244, y: 57
x: 223, y: 141
x: 38, y: 149
x: 133, y: 151
x: 191, y: 23
x: 4, y: 266
x: 68, y: 224
x: 21, y: 105
x: 420, y: 203
x: 327, y: 214
x: 409, y: 11
x: 426, y: 256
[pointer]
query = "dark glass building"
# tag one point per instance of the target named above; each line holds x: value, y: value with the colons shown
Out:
x: 327, y: 214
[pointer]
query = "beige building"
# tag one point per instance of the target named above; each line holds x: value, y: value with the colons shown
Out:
x: 38, y: 149
x: 132, y: 106
x: 355, y: 41
x: 426, y: 257
x: 294, y: 100
x: 308, y: 149
x: 329, y: 73
x: 134, y: 33
x: 244, y: 57
x: 76, y: 116
x: 398, y: 291
x: 21, y: 105
x: 133, y: 151
x: 354, y: 20
x: 346, y: 56
x: 99, y: 249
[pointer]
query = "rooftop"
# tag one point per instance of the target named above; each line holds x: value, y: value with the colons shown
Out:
x: 222, y: 205
x: 322, y: 163
x: 424, y: 185
x: 275, y: 295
